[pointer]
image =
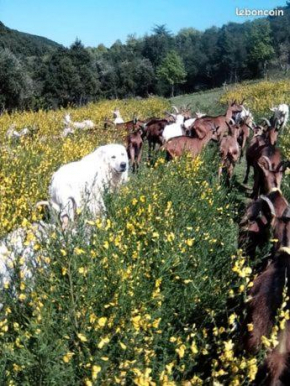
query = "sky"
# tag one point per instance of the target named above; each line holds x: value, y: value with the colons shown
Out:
x: 96, y: 21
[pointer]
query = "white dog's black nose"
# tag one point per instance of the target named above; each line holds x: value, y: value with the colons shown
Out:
x: 123, y: 165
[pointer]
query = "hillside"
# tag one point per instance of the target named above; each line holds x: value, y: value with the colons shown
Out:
x: 21, y: 43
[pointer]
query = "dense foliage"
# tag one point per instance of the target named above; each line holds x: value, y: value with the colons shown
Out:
x: 58, y: 76
x: 152, y: 295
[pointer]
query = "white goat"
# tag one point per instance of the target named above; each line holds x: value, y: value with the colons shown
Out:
x: 174, y: 129
x: 67, y: 131
x: 117, y: 115
x: 14, y: 134
x: 84, y: 125
x: 243, y: 115
x: 191, y: 121
x: 281, y: 115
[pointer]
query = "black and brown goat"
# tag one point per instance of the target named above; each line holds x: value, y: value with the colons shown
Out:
x: 262, y: 216
x: 266, y: 299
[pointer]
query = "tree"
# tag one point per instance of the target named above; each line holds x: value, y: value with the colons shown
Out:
x: 171, y: 70
x: 16, y: 86
x: 260, y: 49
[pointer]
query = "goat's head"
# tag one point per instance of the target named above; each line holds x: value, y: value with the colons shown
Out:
x: 67, y: 118
x: 258, y: 130
x: 233, y: 128
x: 214, y: 132
x: 272, y: 136
x: 272, y: 175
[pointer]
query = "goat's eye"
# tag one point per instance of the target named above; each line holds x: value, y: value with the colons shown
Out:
x: 113, y: 156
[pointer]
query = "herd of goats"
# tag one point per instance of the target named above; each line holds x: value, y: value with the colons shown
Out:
x: 267, y: 216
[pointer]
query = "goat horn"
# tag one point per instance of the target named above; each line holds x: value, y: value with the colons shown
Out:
x: 176, y: 109
x: 267, y: 121
x: 270, y: 204
x: 41, y: 203
x: 231, y: 121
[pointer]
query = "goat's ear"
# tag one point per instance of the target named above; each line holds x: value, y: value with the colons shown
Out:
x: 264, y: 163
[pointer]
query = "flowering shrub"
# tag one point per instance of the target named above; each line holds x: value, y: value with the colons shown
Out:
x: 260, y: 97
x: 27, y: 165
x: 149, y: 296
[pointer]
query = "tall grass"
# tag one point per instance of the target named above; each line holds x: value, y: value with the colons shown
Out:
x: 142, y: 298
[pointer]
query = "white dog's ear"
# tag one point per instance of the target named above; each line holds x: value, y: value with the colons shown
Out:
x: 102, y: 154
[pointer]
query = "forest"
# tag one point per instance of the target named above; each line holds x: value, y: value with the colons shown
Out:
x: 36, y: 73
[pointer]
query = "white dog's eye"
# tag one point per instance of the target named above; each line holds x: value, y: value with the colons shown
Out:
x: 113, y: 156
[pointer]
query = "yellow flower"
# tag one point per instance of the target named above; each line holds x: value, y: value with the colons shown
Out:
x: 79, y: 251
x: 103, y: 342
x: 102, y: 321
x: 193, y: 348
x: 250, y: 326
x: 82, y: 337
x: 95, y: 371
x: 123, y: 346
x: 181, y: 350
x: 67, y: 357
x: 22, y: 297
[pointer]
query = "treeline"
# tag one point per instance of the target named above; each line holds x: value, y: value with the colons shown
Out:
x: 51, y: 75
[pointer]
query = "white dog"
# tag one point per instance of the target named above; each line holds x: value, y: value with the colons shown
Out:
x: 18, y: 251
x: 82, y: 183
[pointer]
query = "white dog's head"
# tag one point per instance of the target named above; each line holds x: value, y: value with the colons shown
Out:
x: 115, y: 156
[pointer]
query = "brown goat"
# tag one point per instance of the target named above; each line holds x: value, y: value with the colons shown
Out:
x: 266, y: 297
x: 153, y: 133
x: 261, y: 215
x: 134, y: 148
x: 229, y: 151
x: 262, y: 138
x: 220, y: 120
x: 265, y: 158
x: 128, y: 126
x: 244, y: 133
x: 177, y: 146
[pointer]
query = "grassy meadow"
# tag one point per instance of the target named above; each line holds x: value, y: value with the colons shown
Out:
x: 153, y: 295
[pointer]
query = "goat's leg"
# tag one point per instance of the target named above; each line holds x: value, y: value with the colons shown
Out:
x: 256, y: 187
x: 132, y: 157
x: 221, y: 166
x: 149, y: 149
x: 230, y: 173
x: 139, y: 155
x: 247, y: 173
